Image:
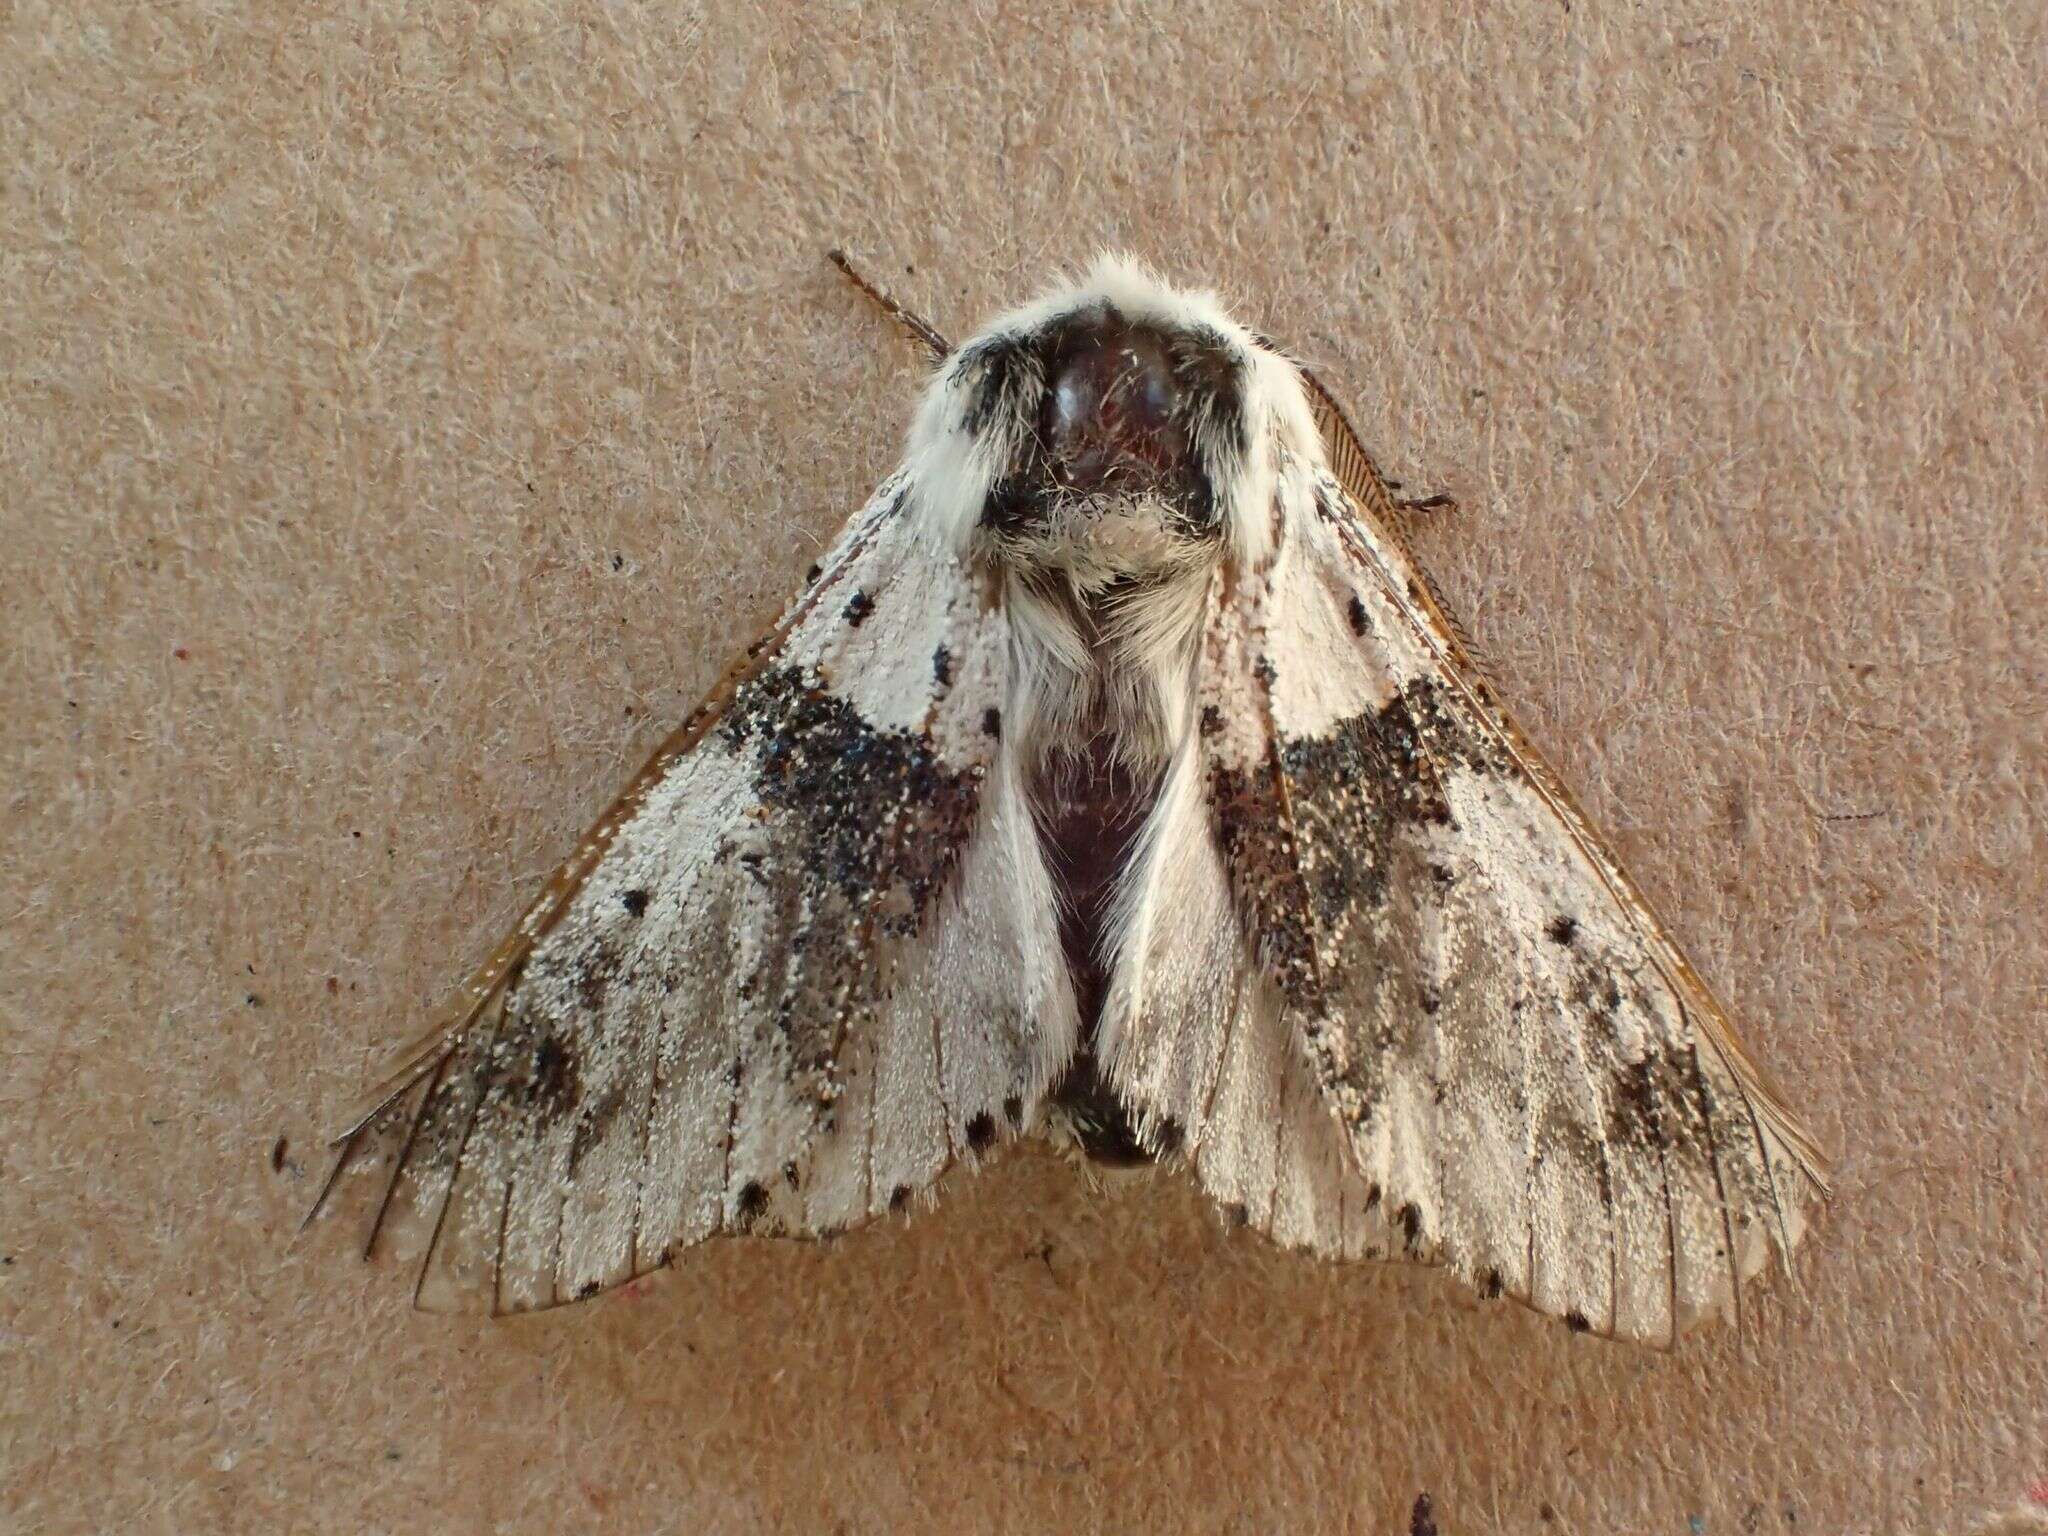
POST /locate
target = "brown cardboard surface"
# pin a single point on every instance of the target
(405, 410)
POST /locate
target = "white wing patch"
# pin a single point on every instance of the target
(805, 965)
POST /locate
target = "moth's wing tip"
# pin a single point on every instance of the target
(1817, 1166)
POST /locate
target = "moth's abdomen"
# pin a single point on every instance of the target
(1089, 807)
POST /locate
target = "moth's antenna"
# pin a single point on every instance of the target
(919, 327)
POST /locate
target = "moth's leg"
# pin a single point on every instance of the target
(921, 329)
(1433, 503)
(1359, 471)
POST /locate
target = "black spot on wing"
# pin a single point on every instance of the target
(635, 901)
(593, 1125)
(981, 1131)
(838, 785)
(858, 607)
(1353, 793)
(1563, 929)
(752, 1202)
(865, 827)
(534, 1069)
(1450, 741)
(1643, 1103)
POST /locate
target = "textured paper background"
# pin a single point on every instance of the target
(405, 410)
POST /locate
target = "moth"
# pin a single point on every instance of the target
(1117, 777)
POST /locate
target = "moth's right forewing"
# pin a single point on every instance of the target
(1199, 1032)
(807, 963)
(1395, 995)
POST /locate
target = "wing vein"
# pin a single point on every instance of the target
(455, 1166)
(1699, 1082)
(498, 1256)
(412, 1132)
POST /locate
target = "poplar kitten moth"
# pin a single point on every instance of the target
(1118, 778)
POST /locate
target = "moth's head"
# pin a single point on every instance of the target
(1117, 427)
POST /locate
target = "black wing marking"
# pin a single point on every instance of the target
(1383, 891)
(805, 962)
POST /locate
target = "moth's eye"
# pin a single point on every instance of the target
(1110, 412)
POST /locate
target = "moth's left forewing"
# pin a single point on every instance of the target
(1399, 913)
(1638, 1109)
(804, 965)
(1206, 1031)
(1439, 649)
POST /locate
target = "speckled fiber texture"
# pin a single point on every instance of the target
(406, 409)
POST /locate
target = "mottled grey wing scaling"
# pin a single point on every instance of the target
(805, 963)
(1393, 995)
